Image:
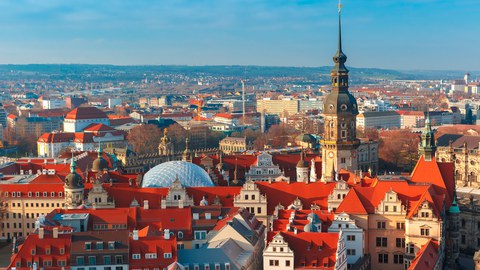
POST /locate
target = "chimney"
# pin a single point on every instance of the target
(145, 204)
(166, 234)
(55, 232)
(41, 233)
(135, 234)
(163, 203)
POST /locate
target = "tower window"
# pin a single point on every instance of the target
(344, 134)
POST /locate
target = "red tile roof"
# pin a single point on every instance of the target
(86, 113)
(426, 258)
(440, 174)
(285, 193)
(313, 250)
(98, 128)
(33, 242)
(157, 245)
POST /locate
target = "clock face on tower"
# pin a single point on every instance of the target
(330, 154)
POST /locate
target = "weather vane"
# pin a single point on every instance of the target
(340, 6)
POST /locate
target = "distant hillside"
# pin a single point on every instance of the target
(80, 71)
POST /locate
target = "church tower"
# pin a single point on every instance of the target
(427, 147)
(339, 143)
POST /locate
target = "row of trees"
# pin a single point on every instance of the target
(145, 138)
(398, 149)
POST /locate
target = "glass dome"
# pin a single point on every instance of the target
(189, 174)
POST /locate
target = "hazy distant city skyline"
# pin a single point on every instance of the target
(409, 34)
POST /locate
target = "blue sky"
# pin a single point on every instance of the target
(408, 34)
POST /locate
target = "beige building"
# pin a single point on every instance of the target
(24, 203)
(232, 145)
(384, 120)
(281, 107)
(411, 119)
(463, 150)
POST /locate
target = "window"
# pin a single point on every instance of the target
(274, 262)
(383, 258)
(400, 242)
(398, 258)
(381, 241)
(167, 255)
(107, 260)
(45, 194)
(386, 208)
(227, 266)
(92, 260)
(463, 239)
(150, 255)
(99, 245)
(351, 252)
(463, 222)
(343, 160)
(62, 251)
(111, 245)
(52, 194)
(119, 259)
(180, 235)
(200, 235)
(410, 248)
(426, 215)
(206, 266)
(287, 263)
(350, 237)
(400, 226)
(424, 231)
(381, 225)
(80, 260)
(136, 256)
(88, 246)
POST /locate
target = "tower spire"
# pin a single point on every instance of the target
(339, 25)
(340, 58)
(73, 164)
(427, 146)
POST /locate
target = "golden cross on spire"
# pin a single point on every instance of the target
(340, 6)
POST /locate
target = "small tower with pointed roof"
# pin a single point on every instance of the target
(453, 233)
(99, 164)
(302, 169)
(427, 146)
(74, 187)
